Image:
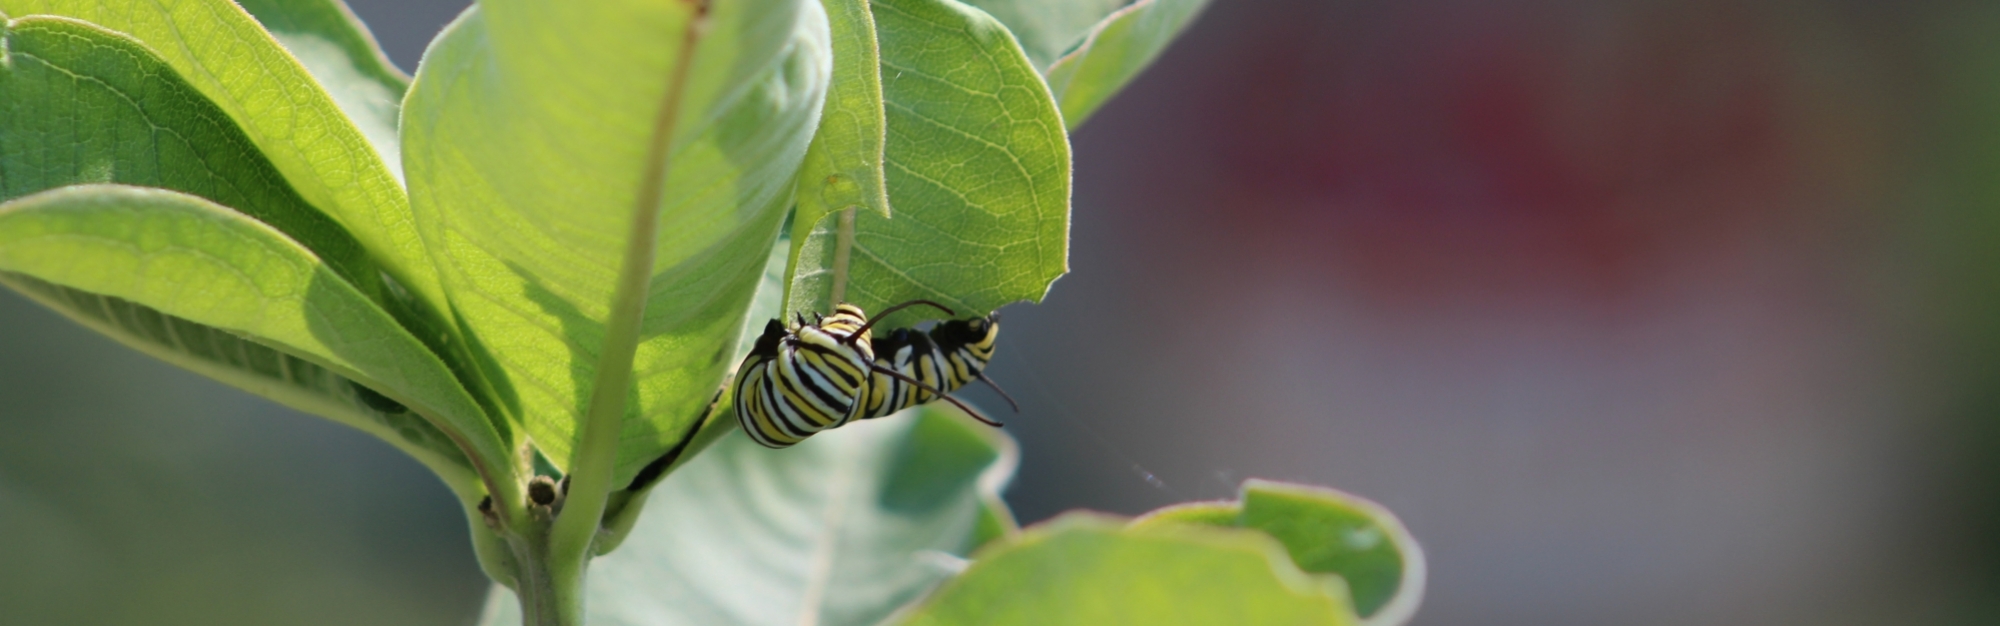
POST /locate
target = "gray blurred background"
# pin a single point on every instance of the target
(1638, 312)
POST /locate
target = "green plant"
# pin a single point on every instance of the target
(536, 261)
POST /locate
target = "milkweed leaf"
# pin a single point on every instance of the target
(978, 171)
(204, 286)
(525, 134)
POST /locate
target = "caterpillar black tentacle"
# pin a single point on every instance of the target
(1003, 393)
(947, 397)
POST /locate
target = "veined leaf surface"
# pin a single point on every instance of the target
(843, 166)
(978, 170)
(222, 51)
(238, 109)
(182, 269)
(333, 44)
(121, 115)
(524, 138)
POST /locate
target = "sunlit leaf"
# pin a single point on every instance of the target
(222, 51)
(525, 135)
(978, 172)
(333, 44)
(122, 116)
(843, 167)
(190, 281)
(276, 115)
(623, 510)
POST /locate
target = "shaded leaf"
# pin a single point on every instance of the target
(257, 368)
(1087, 569)
(188, 280)
(121, 115)
(222, 51)
(332, 43)
(978, 171)
(135, 118)
(1115, 52)
(524, 137)
(841, 529)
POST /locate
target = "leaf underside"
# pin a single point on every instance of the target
(843, 165)
(224, 54)
(185, 257)
(254, 367)
(246, 126)
(978, 170)
(333, 44)
(525, 172)
(122, 115)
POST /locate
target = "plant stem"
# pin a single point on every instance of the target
(547, 599)
(559, 571)
(843, 249)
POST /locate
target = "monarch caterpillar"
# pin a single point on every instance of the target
(814, 376)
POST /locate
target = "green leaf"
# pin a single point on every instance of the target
(843, 166)
(1087, 569)
(841, 529)
(257, 368)
(1326, 532)
(978, 169)
(1048, 28)
(622, 513)
(332, 43)
(1115, 52)
(525, 136)
(108, 123)
(204, 286)
(221, 50)
(119, 115)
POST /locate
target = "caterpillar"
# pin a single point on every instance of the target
(807, 377)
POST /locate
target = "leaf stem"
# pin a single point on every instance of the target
(843, 250)
(592, 463)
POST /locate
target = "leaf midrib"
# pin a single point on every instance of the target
(826, 546)
(595, 458)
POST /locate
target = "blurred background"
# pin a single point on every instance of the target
(1637, 312)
